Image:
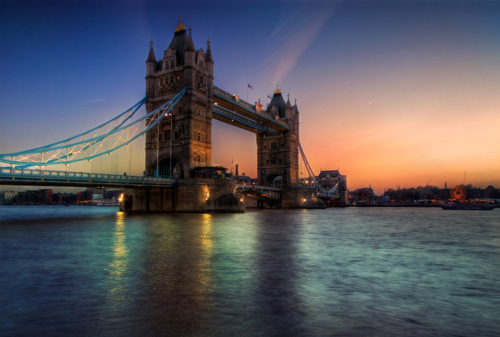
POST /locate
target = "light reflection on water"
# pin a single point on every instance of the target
(118, 265)
(334, 272)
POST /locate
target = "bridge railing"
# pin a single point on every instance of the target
(258, 187)
(58, 176)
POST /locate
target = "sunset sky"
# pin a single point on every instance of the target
(391, 93)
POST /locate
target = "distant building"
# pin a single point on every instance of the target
(331, 178)
(90, 196)
(7, 197)
(112, 195)
(64, 198)
(245, 180)
(364, 195)
(45, 196)
(491, 193)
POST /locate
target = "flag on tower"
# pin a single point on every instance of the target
(269, 97)
(250, 86)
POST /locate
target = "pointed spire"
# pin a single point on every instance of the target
(277, 91)
(288, 105)
(209, 53)
(151, 56)
(190, 44)
(180, 26)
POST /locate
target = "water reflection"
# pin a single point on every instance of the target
(179, 278)
(278, 292)
(119, 262)
(207, 245)
(120, 250)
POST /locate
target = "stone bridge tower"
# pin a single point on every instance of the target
(183, 140)
(277, 152)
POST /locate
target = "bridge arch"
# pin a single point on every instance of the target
(167, 168)
(274, 180)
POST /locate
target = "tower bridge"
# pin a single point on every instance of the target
(181, 101)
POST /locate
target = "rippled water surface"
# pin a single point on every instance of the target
(93, 271)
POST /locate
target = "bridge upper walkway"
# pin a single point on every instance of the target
(243, 114)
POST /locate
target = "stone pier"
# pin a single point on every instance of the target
(190, 195)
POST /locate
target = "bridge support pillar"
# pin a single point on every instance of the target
(301, 198)
(190, 195)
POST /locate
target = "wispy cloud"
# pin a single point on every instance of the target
(297, 33)
(97, 100)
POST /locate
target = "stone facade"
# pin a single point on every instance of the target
(182, 140)
(277, 152)
(181, 144)
(192, 195)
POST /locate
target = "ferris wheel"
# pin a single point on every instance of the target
(458, 193)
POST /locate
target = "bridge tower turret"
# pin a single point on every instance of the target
(277, 152)
(150, 69)
(183, 140)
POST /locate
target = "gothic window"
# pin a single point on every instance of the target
(265, 146)
(203, 157)
(274, 145)
(274, 158)
(172, 64)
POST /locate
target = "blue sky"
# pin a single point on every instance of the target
(391, 92)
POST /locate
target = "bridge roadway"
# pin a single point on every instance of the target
(260, 192)
(235, 111)
(37, 177)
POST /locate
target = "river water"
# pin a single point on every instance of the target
(94, 271)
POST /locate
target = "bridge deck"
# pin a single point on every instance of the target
(227, 116)
(38, 177)
(238, 106)
(260, 192)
